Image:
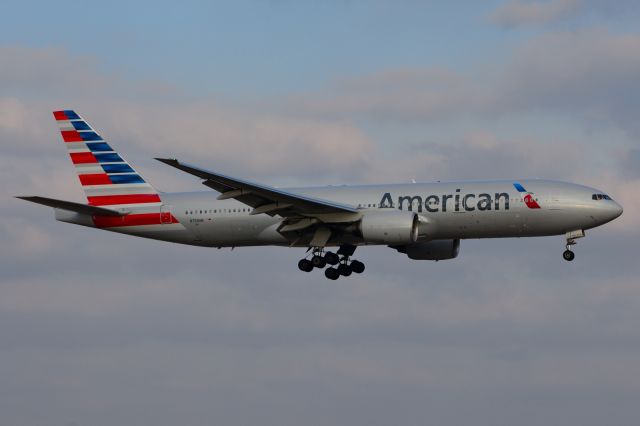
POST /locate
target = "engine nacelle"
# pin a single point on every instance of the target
(391, 227)
(431, 250)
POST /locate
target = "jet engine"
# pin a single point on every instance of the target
(431, 250)
(389, 227)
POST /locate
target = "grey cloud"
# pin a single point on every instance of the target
(631, 163)
(192, 343)
(588, 75)
(522, 13)
(99, 328)
(570, 69)
(163, 122)
(32, 71)
(515, 13)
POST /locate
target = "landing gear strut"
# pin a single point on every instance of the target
(345, 267)
(569, 255)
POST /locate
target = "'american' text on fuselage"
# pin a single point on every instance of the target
(448, 202)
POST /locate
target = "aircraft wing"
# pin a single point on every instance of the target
(263, 199)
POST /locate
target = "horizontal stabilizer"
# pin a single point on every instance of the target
(74, 207)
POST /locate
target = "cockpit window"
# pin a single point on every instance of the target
(600, 197)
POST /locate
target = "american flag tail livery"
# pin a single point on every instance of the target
(107, 179)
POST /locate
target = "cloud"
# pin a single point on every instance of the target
(125, 330)
(166, 123)
(12, 115)
(400, 94)
(630, 163)
(590, 72)
(515, 13)
(51, 71)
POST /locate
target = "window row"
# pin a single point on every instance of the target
(216, 211)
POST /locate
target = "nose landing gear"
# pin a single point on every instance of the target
(572, 236)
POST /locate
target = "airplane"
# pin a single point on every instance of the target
(424, 221)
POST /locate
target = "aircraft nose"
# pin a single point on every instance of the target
(610, 211)
(617, 210)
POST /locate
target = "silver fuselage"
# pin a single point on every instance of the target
(447, 210)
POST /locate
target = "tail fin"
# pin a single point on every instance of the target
(107, 179)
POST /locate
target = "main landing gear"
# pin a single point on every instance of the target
(569, 255)
(320, 259)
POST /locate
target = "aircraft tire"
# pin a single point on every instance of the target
(357, 267)
(331, 258)
(568, 255)
(318, 261)
(344, 269)
(331, 273)
(305, 265)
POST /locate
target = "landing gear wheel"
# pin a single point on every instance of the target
(332, 273)
(318, 261)
(344, 269)
(305, 265)
(568, 255)
(357, 266)
(331, 258)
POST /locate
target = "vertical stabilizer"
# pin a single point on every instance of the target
(106, 178)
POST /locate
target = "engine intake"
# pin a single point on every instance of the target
(431, 250)
(391, 227)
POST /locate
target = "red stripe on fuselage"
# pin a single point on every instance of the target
(95, 179)
(60, 115)
(131, 220)
(71, 136)
(83, 158)
(106, 200)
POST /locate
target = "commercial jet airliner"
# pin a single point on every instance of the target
(424, 221)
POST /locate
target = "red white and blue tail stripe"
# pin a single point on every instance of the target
(107, 179)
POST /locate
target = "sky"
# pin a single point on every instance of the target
(100, 329)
